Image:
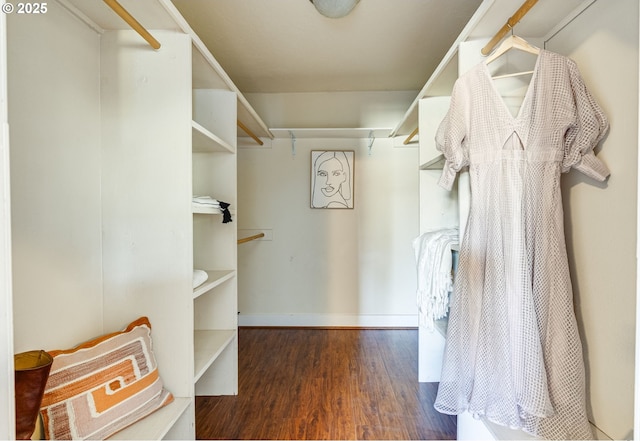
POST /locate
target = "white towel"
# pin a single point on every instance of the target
(433, 258)
(205, 201)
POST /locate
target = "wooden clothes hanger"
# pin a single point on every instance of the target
(513, 42)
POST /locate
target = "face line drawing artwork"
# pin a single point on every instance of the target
(332, 179)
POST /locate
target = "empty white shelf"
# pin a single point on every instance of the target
(208, 345)
(204, 141)
(331, 132)
(156, 425)
(215, 278)
(436, 163)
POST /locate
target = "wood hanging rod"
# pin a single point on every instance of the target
(250, 238)
(250, 133)
(411, 136)
(135, 25)
(508, 26)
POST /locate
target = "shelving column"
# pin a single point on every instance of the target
(7, 415)
(438, 210)
(146, 219)
(214, 165)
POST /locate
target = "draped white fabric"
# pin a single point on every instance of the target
(434, 261)
(513, 352)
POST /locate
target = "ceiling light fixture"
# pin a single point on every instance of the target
(334, 8)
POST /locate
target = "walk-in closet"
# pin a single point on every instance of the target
(159, 193)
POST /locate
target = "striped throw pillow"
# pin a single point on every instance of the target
(103, 385)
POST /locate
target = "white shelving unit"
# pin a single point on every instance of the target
(121, 155)
(215, 278)
(438, 210)
(205, 141)
(208, 347)
(158, 424)
(438, 207)
(431, 112)
(215, 243)
(145, 198)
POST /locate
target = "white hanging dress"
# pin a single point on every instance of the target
(513, 352)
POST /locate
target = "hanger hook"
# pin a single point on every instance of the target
(372, 138)
(293, 143)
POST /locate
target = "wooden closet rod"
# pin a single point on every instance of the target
(508, 26)
(250, 238)
(250, 133)
(135, 25)
(410, 137)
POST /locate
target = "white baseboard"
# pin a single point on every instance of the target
(330, 320)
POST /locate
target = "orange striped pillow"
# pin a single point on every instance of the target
(103, 385)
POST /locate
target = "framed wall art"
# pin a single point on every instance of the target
(332, 178)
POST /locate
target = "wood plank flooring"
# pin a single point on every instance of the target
(341, 384)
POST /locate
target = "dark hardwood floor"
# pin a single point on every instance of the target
(340, 384)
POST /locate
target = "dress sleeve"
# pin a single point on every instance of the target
(450, 138)
(590, 125)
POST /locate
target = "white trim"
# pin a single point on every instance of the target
(568, 19)
(636, 413)
(330, 320)
(81, 16)
(7, 412)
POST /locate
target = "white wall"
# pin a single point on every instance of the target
(600, 220)
(54, 115)
(328, 267)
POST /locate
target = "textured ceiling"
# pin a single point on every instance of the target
(287, 46)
